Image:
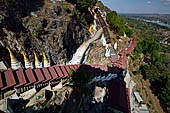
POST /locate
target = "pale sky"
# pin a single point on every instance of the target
(139, 6)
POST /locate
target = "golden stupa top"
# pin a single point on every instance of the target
(93, 10)
(91, 28)
(44, 56)
(36, 57)
(89, 9)
(11, 54)
(24, 54)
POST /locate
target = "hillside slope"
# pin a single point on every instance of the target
(41, 25)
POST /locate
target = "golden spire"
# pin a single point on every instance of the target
(24, 54)
(89, 9)
(37, 62)
(15, 64)
(28, 64)
(11, 54)
(46, 63)
(91, 30)
(36, 58)
(93, 10)
(44, 56)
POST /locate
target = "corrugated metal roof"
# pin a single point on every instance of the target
(75, 67)
(10, 80)
(67, 68)
(59, 72)
(64, 71)
(53, 73)
(122, 62)
(21, 78)
(128, 98)
(78, 65)
(72, 67)
(117, 97)
(1, 84)
(30, 76)
(46, 74)
(39, 75)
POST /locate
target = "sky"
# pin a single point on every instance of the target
(139, 6)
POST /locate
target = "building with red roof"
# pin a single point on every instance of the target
(122, 61)
(118, 98)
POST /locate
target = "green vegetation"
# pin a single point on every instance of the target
(81, 13)
(37, 31)
(150, 48)
(144, 29)
(155, 68)
(137, 72)
(117, 24)
(156, 64)
(91, 44)
(66, 8)
(80, 79)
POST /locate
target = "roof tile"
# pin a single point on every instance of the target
(39, 75)
(46, 74)
(30, 76)
(72, 67)
(10, 80)
(1, 84)
(67, 68)
(53, 73)
(64, 71)
(21, 77)
(59, 72)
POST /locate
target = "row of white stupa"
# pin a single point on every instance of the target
(107, 46)
(15, 64)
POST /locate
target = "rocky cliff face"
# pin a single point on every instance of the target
(51, 27)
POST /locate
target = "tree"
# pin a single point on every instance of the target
(112, 19)
(165, 96)
(81, 13)
(128, 32)
(116, 23)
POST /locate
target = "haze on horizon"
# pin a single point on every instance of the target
(139, 6)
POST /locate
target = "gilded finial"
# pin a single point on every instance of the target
(46, 63)
(36, 58)
(37, 62)
(11, 54)
(28, 64)
(15, 64)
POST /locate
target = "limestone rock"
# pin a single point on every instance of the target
(51, 27)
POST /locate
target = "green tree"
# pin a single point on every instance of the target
(81, 13)
(116, 23)
(112, 19)
(165, 96)
(128, 32)
(80, 79)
